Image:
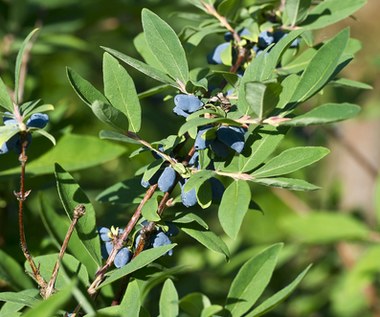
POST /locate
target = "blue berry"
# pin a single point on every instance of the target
(200, 141)
(232, 137)
(153, 180)
(122, 257)
(172, 229)
(167, 179)
(105, 234)
(295, 43)
(217, 188)
(37, 120)
(186, 104)
(278, 35)
(161, 239)
(265, 39)
(9, 119)
(194, 160)
(216, 56)
(219, 148)
(189, 198)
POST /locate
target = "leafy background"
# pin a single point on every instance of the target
(334, 228)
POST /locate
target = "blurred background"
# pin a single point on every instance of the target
(345, 279)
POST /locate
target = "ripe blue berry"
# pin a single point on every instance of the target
(37, 120)
(217, 189)
(153, 180)
(122, 257)
(266, 38)
(161, 239)
(105, 234)
(232, 137)
(200, 141)
(186, 104)
(219, 148)
(189, 198)
(167, 179)
(9, 119)
(216, 55)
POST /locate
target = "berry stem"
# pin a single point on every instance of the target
(21, 197)
(119, 242)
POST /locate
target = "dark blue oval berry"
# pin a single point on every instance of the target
(186, 104)
(232, 137)
(167, 179)
(216, 55)
(161, 239)
(122, 257)
(189, 198)
(37, 120)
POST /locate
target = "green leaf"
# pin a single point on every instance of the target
(345, 82)
(327, 113)
(149, 210)
(254, 94)
(71, 195)
(116, 136)
(279, 297)
(84, 89)
(131, 302)
(70, 264)
(330, 12)
(7, 131)
(198, 179)
(165, 46)
(110, 115)
(321, 68)
(296, 10)
(120, 90)
(143, 259)
(291, 160)
(46, 135)
(251, 281)
(210, 311)
(73, 152)
(25, 47)
(50, 306)
(12, 274)
(143, 48)
(76, 246)
(288, 183)
(229, 8)
(126, 192)
(193, 304)
(196, 122)
(142, 67)
(28, 297)
(325, 227)
(169, 300)
(233, 207)
(208, 238)
(259, 146)
(5, 99)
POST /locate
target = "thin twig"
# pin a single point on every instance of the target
(119, 242)
(79, 211)
(21, 197)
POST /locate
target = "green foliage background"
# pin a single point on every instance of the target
(340, 239)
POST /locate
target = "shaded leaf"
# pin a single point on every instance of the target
(325, 227)
(12, 274)
(71, 195)
(73, 152)
(27, 297)
(144, 258)
(5, 98)
(110, 115)
(131, 303)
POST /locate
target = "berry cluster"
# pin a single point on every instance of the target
(159, 238)
(36, 121)
(109, 236)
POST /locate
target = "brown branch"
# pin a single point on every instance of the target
(119, 242)
(79, 211)
(21, 197)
